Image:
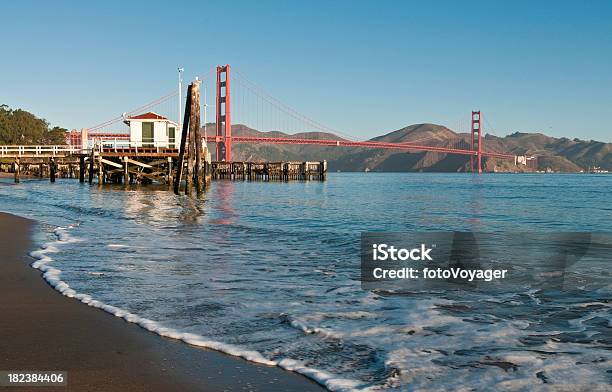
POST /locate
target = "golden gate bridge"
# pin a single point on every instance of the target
(240, 101)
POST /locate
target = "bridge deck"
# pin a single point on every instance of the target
(116, 147)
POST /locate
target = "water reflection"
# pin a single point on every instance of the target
(223, 192)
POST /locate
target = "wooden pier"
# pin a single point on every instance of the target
(269, 171)
(146, 167)
(106, 164)
(39, 161)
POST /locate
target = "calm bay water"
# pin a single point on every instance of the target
(273, 268)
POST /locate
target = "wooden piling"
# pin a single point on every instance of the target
(322, 170)
(100, 171)
(191, 147)
(17, 170)
(91, 167)
(169, 179)
(126, 172)
(185, 135)
(52, 168)
(194, 128)
(82, 168)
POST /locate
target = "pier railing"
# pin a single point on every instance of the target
(97, 145)
(110, 144)
(38, 151)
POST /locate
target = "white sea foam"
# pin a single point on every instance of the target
(325, 332)
(53, 276)
(117, 246)
(328, 380)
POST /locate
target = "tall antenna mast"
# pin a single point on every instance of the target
(180, 95)
(205, 106)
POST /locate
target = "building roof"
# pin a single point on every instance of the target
(148, 116)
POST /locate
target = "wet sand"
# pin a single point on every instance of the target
(42, 330)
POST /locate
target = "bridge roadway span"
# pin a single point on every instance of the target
(121, 146)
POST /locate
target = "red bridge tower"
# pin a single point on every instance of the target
(476, 141)
(224, 118)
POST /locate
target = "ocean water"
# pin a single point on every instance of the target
(270, 272)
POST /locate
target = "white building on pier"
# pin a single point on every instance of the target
(153, 130)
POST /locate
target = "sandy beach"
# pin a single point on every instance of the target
(42, 330)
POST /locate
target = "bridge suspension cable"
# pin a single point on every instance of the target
(255, 103)
(256, 108)
(154, 104)
(146, 106)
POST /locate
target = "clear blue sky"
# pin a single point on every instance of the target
(360, 67)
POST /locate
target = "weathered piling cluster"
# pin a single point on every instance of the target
(192, 158)
(269, 171)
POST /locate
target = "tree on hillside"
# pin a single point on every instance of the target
(56, 135)
(18, 126)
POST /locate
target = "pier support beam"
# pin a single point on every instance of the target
(184, 136)
(191, 147)
(170, 179)
(126, 172)
(194, 126)
(91, 167)
(17, 170)
(100, 171)
(82, 168)
(52, 168)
